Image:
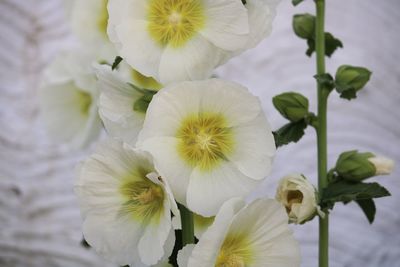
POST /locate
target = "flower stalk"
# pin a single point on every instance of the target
(187, 225)
(322, 130)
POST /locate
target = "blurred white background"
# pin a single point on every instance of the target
(39, 217)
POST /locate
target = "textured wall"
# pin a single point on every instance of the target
(39, 218)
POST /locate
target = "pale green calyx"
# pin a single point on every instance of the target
(304, 25)
(293, 106)
(355, 166)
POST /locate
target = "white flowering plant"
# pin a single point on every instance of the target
(183, 150)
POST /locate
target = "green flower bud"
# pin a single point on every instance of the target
(349, 77)
(355, 166)
(292, 106)
(304, 25)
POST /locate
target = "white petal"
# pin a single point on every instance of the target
(137, 47)
(227, 24)
(196, 60)
(220, 96)
(114, 239)
(116, 106)
(184, 254)
(169, 165)
(151, 244)
(268, 234)
(208, 190)
(206, 251)
(261, 14)
(169, 107)
(255, 148)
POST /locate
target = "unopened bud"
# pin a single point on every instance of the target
(292, 106)
(349, 77)
(304, 25)
(383, 166)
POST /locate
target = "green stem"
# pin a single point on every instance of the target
(322, 131)
(187, 225)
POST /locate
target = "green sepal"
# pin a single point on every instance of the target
(296, 2)
(344, 191)
(304, 25)
(291, 132)
(326, 81)
(117, 60)
(354, 166)
(351, 79)
(293, 106)
(368, 207)
(143, 102)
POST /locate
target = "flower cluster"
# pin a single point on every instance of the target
(175, 137)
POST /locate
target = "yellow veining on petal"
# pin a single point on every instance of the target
(235, 252)
(84, 101)
(145, 82)
(144, 199)
(103, 18)
(205, 140)
(174, 22)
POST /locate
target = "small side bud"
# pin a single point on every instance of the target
(304, 25)
(383, 166)
(292, 106)
(299, 197)
(349, 80)
(355, 166)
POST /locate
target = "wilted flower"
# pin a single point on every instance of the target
(298, 196)
(126, 206)
(256, 235)
(209, 147)
(68, 99)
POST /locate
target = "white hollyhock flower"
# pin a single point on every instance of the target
(382, 165)
(299, 197)
(256, 235)
(126, 206)
(89, 23)
(116, 105)
(210, 139)
(68, 99)
(177, 40)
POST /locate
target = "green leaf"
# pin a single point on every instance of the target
(344, 191)
(369, 208)
(293, 106)
(142, 103)
(291, 132)
(117, 60)
(296, 2)
(331, 44)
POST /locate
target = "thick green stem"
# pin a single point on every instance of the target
(322, 131)
(187, 225)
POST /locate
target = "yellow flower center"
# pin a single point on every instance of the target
(143, 199)
(103, 18)
(234, 252)
(174, 22)
(84, 101)
(205, 140)
(145, 82)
